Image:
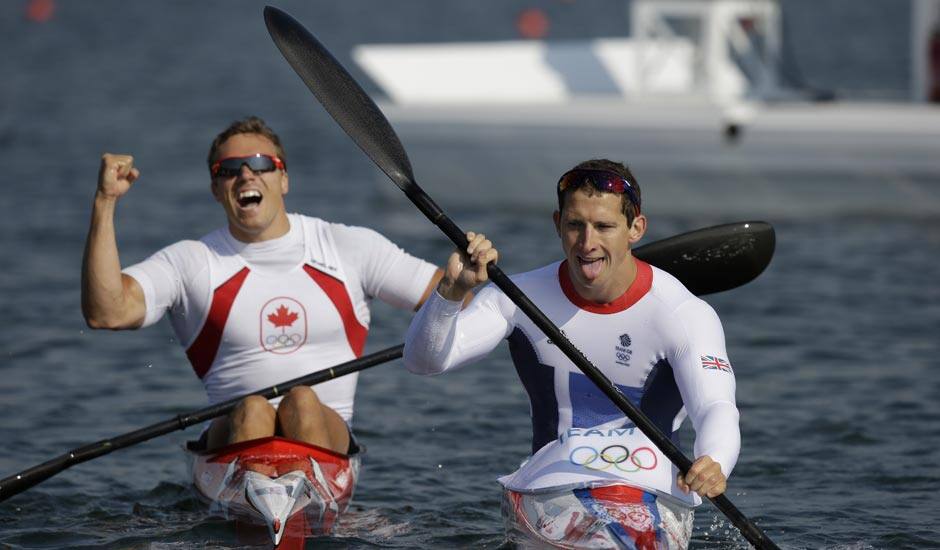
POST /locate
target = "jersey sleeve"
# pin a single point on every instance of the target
(385, 271)
(443, 337)
(162, 276)
(706, 382)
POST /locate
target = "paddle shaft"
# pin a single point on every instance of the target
(693, 256)
(686, 248)
(18, 483)
(434, 213)
(362, 120)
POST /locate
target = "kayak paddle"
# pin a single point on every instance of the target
(18, 483)
(361, 119)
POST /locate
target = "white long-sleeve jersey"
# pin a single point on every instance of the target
(663, 347)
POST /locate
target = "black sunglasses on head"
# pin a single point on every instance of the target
(602, 180)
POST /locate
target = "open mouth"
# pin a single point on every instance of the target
(249, 197)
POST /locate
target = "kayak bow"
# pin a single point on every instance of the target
(292, 488)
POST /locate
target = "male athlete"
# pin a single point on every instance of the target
(268, 298)
(594, 480)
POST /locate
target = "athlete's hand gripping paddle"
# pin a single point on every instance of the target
(362, 120)
(693, 256)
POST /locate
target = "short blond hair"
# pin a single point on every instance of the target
(249, 125)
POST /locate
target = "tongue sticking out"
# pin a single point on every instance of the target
(591, 269)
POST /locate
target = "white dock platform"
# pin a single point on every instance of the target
(789, 160)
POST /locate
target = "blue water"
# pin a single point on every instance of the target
(835, 345)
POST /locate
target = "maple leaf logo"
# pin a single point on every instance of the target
(282, 317)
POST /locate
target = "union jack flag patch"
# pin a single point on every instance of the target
(710, 362)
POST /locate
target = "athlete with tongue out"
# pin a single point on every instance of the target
(271, 297)
(594, 480)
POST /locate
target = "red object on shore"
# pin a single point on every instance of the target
(532, 23)
(40, 11)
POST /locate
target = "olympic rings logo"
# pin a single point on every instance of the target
(282, 325)
(617, 456)
(283, 340)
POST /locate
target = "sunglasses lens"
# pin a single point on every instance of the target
(609, 183)
(600, 180)
(230, 167)
(224, 171)
(261, 163)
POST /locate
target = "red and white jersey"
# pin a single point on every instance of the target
(660, 345)
(252, 315)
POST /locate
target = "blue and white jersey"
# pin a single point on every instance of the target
(663, 347)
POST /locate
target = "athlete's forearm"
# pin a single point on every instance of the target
(442, 337)
(108, 297)
(717, 435)
(430, 336)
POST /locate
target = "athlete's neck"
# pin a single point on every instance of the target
(278, 227)
(639, 285)
(273, 255)
(606, 289)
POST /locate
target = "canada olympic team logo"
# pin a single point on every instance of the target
(283, 325)
(614, 456)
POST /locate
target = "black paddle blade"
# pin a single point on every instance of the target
(715, 258)
(340, 95)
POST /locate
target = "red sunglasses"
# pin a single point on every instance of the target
(257, 163)
(602, 180)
